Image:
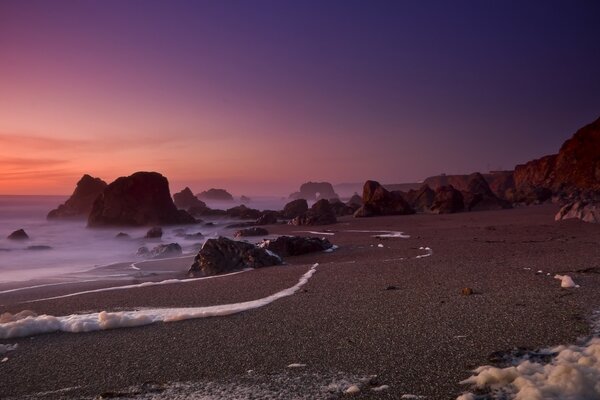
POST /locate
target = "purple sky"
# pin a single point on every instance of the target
(260, 96)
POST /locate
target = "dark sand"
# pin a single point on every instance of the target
(422, 338)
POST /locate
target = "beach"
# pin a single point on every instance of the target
(385, 306)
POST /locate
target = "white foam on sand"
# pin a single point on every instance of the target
(572, 374)
(428, 252)
(382, 234)
(317, 233)
(137, 285)
(75, 323)
(331, 249)
(46, 285)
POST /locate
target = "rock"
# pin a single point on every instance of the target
(243, 212)
(245, 199)
(251, 232)
(320, 213)
(39, 247)
(479, 196)
(123, 235)
(355, 201)
(166, 251)
(315, 191)
(421, 200)
(499, 181)
(340, 209)
(216, 195)
(587, 212)
(295, 245)
(154, 233)
(186, 200)
(467, 291)
(81, 201)
(378, 201)
(223, 255)
(140, 199)
(447, 200)
(295, 208)
(267, 218)
(19, 234)
(142, 251)
(352, 390)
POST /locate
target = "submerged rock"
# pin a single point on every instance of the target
(223, 255)
(166, 251)
(295, 245)
(155, 232)
(320, 213)
(39, 247)
(251, 232)
(19, 234)
(81, 201)
(122, 235)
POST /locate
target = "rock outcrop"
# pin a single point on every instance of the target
(447, 200)
(186, 200)
(479, 196)
(140, 199)
(378, 201)
(421, 200)
(267, 218)
(355, 201)
(223, 255)
(19, 234)
(315, 191)
(243, 212)
(321, 213)
(294, 208)
(341, 209)
(498, 181)
(166, 251)
(295, 245)
(585, 211)
(216, 195)
(255, 231)
(81, 201)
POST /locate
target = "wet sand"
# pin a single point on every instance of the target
(422, 338)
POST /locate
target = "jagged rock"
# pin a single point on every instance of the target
(215, 194)
(378, 201)
(154, 233)
(315, 191)
(166, 251)
(251, 232)
(587, 212)
(267, 218)
(422, 199)
(295, 208)
(140, 199)
(340, 209)
(19, 234)
(186, 200)
(447, 200)
(320, 213)
(81, 201)
(295, 245)
(243, 212)
(223, 255)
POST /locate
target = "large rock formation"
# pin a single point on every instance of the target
(479, 196)
(215, 194)
(186, 200)
(294, 208)
(422, 199)
(576, 167)
(295, 245)
(140, 199)
(378, 201)
(321, 213)
(341, 209)
(243, 212)
(81, 201)
(447, 200)
(498, 181)
(223, 255)
(315, 191)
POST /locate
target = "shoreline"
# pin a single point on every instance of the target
(421, 338)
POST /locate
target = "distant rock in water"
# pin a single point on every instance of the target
(243, 212)
(295, 245)
(39, 247)
(294, 208)
(587, 212)
(215, 194)
(321, 213)
(140, 199)
(155, 232)
(18, 235)
(448, 200)
(166, 251)
(185, 200)
(81, 201)
(122, 235)
(222, 255)
(251, 232)
(315, 191)
(378, 201)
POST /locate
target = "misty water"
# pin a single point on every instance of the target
(76, 249)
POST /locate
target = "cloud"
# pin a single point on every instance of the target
(18, 163)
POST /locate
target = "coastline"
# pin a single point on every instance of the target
(422, 338)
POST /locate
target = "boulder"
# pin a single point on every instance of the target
(166, 251)
(321, 213)
(18, 235)
(186, 200)
(243, 212)
(422, 199)
(355, 201)
(140, 199)
(267, 218)
(479, 196)
(251, 232)
(295, 208)
(447, 200)
(154, 233)
(81, 201)
(587, 212)
(215, 195)
(378, 201)
(295, 245)
(315, 191)
(224, 255)
(340, 209)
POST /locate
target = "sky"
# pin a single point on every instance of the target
(261, 96)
